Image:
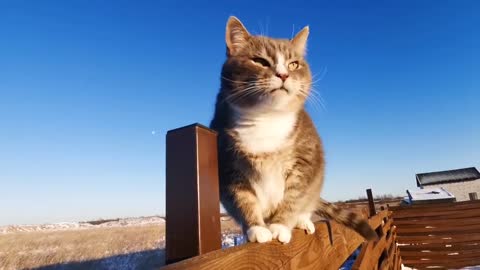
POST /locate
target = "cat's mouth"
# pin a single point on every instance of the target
(279, 89)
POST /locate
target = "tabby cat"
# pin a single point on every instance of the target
(271, 161)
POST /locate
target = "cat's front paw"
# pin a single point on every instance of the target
(281, 232)
(259, 234)
(307, 225)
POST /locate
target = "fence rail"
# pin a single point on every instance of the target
(327, 248)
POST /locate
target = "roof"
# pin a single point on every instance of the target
(450, 176)
(426, 194)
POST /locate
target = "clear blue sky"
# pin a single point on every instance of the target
(88, 90)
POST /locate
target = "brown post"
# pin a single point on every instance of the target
(371, 204)
(192, 193)
(473, 196)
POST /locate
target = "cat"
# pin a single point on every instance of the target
(271, 160)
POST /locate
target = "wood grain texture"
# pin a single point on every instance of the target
(303, 252)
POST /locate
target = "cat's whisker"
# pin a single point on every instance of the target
(314, 94)
(320, 76)
(243, 93)
(249, 81)
(311, 100)
(240, 82)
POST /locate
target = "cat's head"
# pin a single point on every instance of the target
(263, 73)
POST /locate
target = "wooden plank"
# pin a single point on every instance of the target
(450, 208)
(441, 253)
(384, 264)
(431, 213)
(437, 230)
(303, 252)
(365, 252)
(446, 262)
(397, 265)
(444, 257)
(390, 255)
(446, 218)
(439, 222)
(435, 258)
(376, 221)
(434, 205)
(457, 238)
(439, 207)
(192, 193)
(452, 247)
(445, 214)
(386, 229)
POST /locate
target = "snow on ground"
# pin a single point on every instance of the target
(232, 239)
(60, 226)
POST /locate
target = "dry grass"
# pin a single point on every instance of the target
(26, 250)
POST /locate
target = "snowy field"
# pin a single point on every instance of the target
(61, 226)
(129, 243)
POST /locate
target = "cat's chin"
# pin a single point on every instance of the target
(280, 90)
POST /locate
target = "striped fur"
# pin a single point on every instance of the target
(347, 218)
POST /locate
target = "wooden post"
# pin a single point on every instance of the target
(192, 193)
(371, 203)
(473, 196)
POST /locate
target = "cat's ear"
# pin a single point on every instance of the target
(299, 42)
(236, 35)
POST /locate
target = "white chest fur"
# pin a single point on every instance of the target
(264, 133)
(270, 187)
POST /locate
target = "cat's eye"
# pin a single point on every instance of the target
(260, 61)
(293, 65)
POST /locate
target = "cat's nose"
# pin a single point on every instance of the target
(282, 76)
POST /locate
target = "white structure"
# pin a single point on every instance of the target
(428, 195)
(458, 182)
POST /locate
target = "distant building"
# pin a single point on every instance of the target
(458, 182)
(428, 195)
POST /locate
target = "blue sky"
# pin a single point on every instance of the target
(88, 90)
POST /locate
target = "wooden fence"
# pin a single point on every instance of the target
(441, 235)
(193, 230)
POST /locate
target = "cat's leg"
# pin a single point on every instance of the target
(247, 203)
(295, 208)
(304, 222)
(285, 216)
